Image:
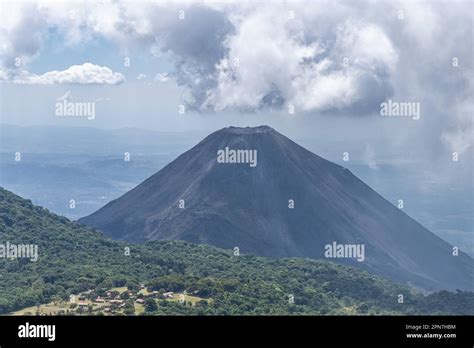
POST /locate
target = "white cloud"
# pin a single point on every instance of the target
(22, 31)
(84, 74)
(281, 61)
(141, 76)
(365, 44)
(270, 60)
(262, 58)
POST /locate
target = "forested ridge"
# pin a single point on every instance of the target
(73, 258)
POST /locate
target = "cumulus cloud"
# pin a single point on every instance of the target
(21, 33)
(84, 74)
(196, 44)
(283, 68)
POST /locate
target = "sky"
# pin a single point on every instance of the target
(316, 70)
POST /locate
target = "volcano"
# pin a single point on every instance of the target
(256, 190)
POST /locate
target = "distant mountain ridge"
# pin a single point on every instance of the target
(57, 140)
(235, 205)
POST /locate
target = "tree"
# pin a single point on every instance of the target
(129, 308)
(133, 286)
(129, 311)
(150, 305)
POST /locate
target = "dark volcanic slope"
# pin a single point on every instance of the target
(230, 205)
